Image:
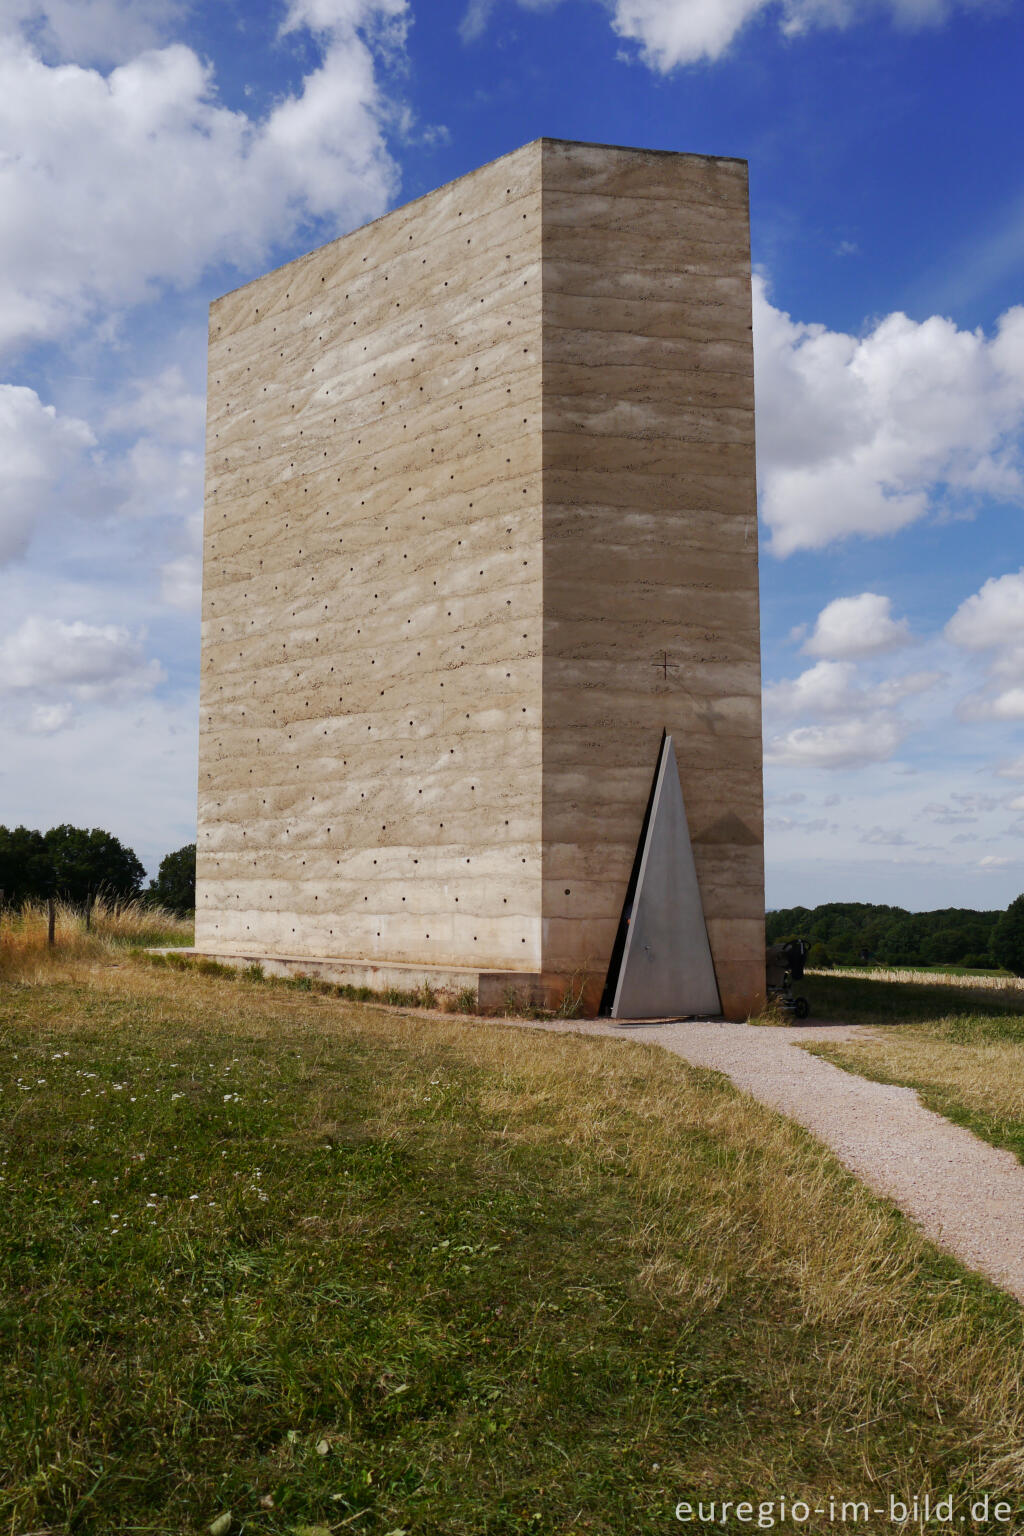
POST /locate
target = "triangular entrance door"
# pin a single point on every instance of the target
(666, 970)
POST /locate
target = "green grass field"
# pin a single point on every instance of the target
(326, 1266)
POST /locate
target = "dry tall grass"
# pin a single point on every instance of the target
(926, 978)
(26, 956)
(846, 1314)
(777, 1206)
(986, 1076)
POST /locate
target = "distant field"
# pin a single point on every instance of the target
(961, 1046)
(931, 974)
(881, 997)
(328, 1265)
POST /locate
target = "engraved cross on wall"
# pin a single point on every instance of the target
(664, 663)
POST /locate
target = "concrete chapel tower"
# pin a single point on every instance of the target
(480, 526)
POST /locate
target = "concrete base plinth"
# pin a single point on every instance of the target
(492, 990)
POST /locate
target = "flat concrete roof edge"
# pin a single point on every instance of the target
(626, 149)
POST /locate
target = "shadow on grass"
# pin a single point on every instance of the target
(856, 1000)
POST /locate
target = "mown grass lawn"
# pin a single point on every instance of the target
(961, 1048)
(324, 1265)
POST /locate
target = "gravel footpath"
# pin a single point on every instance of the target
(964, 1194)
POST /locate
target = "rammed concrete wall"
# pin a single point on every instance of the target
(650, 543)
(370, 758)
(480, 522)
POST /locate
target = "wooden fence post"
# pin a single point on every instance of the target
(51, 920)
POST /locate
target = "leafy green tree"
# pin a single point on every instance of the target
(24, 865)
(175, 884)
(1007, 943)
(86, 864)
(948, 946)
(851, 930)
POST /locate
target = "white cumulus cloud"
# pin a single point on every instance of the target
(993, 617)
(162, 407)
(675, 32)
(38, 448)
(857, 626)
(92, 31)
(992, 622)
(826, 688)
(846, 718)
(831, 688)
(86, 660)
(838, 744)
(48, 719)
(181, 582)
(112, 184)
(863, 435)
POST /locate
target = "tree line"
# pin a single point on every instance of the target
(859, 932)
(79, 865)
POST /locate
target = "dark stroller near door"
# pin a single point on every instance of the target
(784, 964)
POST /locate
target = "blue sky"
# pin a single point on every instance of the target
(156, 153)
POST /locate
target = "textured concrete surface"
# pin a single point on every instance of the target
(370, 761)
(480, 522)
(966, 1195)
(493, 991)
(650, 543)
